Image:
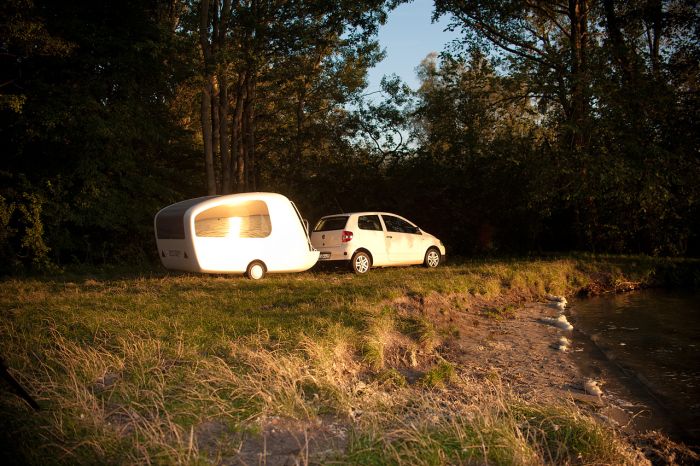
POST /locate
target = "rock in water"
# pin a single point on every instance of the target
(592, 388)
(563, 323)
(560, 322)
(559, 299)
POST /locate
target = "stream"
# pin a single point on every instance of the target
(648, 343)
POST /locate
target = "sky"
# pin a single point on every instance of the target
(407, 37)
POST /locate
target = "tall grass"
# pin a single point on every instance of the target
(131, 370)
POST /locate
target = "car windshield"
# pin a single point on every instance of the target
(331, 223)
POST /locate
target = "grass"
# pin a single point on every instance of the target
(498, 430)
(129, 367)
(440, 375)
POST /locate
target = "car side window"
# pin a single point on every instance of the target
(398, 225)
(369, 222)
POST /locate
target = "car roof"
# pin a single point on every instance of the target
(347, 214)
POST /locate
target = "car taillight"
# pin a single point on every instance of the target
(346, 236)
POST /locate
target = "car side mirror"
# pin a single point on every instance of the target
(417, 231)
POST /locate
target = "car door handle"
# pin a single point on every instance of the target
(389, 237)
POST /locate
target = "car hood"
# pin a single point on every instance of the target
(431, 236)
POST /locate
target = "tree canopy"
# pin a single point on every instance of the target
(549, 126)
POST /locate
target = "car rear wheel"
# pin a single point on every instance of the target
(360, 262)
(256, 270)
(432, 258)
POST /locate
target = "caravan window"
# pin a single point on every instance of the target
(243, 220)
(169, 222)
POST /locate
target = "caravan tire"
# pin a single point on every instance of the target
(256, 270)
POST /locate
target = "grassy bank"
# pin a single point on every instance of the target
(169, 368)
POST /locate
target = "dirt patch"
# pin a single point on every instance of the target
(499, 338)
(288, 442)
(661, 451)
(212, 436)
(518, 349)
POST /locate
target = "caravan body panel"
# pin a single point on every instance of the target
(224, 234)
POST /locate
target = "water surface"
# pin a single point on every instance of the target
(653, 336)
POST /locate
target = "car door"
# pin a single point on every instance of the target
(328, 232)
(403, 241)
(372, 236)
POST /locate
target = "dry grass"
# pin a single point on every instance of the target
(130, 370)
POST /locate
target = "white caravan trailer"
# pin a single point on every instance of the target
(251, 233)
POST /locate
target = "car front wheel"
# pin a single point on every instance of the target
(432, 258)
(360, 263)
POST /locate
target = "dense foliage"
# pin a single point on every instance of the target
(90, 146)
(608, 98)
(549, 126)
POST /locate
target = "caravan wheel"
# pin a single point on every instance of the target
(256, 270)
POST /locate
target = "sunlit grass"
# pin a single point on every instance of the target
(127, 367)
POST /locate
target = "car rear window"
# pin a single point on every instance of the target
(331, 223)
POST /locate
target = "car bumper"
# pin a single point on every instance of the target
(333, 254)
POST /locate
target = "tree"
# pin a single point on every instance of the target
(250, 50)
(94, 151)
(547, 41)
(477, 167)
(600, 74)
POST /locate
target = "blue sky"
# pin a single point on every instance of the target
(407, 37)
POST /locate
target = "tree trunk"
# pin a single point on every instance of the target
(223, 135)
(621, 53)
(295, 163)
(655, 17)
(249, 133)
(224, 147)
(578, 16)
(237, 131)
(215, 139)
(301, 99)
(207, 136)
(302, 96)
(579, 114)
(206, 97)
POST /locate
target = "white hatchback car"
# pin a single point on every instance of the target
(375, 239)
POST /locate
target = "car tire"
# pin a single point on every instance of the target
(432, 258)
(256, 270)
(360, 262)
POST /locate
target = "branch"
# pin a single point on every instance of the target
(502, 40)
